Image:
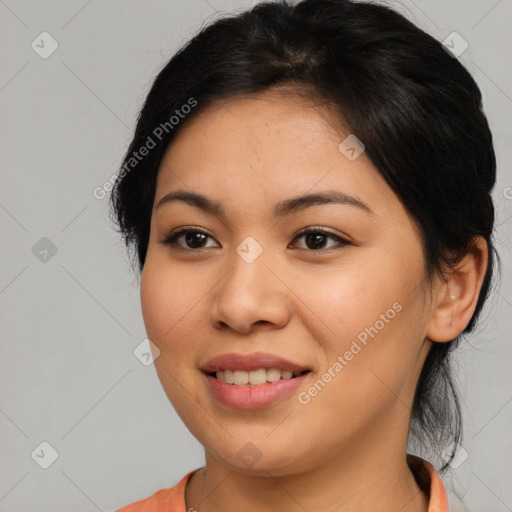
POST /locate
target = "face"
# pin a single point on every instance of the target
(347, 304)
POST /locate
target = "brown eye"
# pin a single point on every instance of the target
(316, 239)
(193, 239)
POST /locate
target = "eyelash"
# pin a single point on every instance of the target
(171, 239)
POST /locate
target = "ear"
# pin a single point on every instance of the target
(456, 298)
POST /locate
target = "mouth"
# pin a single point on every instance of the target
(253, 380)
(255, 377)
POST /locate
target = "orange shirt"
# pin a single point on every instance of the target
(173, 499)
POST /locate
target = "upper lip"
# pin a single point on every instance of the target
(249, 362)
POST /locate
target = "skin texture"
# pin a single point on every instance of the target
(345, 449)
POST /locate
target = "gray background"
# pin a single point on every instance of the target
(71, 320)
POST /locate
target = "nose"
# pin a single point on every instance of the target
(251, 296)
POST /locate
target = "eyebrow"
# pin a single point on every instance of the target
(281, 209)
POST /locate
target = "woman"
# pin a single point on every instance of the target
(308, 195)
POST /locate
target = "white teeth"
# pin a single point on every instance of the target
(258, 376)
(286, 374)
(240, 377)
(253, 377)
(273, 374)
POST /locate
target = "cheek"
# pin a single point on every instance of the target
(172, 316)
(345, 305)
(171, 307)
(369, 323)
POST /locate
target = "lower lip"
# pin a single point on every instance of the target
(253, 397)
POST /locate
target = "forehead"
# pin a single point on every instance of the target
(267, 146)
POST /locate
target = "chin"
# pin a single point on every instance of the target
(260, 459)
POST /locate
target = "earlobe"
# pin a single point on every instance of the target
(457, 296)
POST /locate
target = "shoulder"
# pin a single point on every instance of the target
(171, 500)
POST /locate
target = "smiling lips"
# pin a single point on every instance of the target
(249, 381)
